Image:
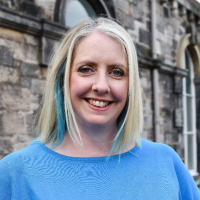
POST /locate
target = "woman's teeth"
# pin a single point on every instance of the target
(98, 103)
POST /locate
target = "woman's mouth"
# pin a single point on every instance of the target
(97, 103)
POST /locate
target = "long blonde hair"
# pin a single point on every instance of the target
(57, 114)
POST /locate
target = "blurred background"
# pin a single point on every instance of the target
(166, 35)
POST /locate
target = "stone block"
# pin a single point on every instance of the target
(37, 86)
(16, 63)
(171, 137)
(148, 134)
(178, 117)
(4, 3)
(49, 7)
(134, 2)
(175, 44)
(3, 42)
(165, 12)
(25, 53)
(148, 25)
(161, 23)
(148, 121)
(128, 22)
(178, 84)
(122, 5)
(167, 125)
(143, 50)
(137, 13)
(46, 49)
(11, 34)
(6, 57)
(30, 117)
(8, 75)
(165, 112)
(34, 106)
(1, 124)
(25, 82)
(170, 101)
(170, 30)
(166, 49)
(133, 35)
(148, 91)
(30, 8)
(148, 106)
(35, 98)
(13, 123)
(19, 51)
(32, 54)
(144, 37)
(6, 147)
(14, 98)
(120, 16)
(30, 70)
(29, 39)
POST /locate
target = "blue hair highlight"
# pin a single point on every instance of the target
(60, 109)
(120, 121)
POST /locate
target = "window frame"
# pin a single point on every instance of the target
(186, 133)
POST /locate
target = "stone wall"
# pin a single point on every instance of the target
(146, 84)
(21, 84)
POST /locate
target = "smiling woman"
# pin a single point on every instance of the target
(88, 144)
(97, 70)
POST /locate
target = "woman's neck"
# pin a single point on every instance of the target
(96, 142)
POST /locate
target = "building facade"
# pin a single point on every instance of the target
(167, 38)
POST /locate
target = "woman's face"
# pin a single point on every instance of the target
(99, 80)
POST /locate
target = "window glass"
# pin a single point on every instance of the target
(190, 144)
(189, 113)
(78, 10)
(188, 78)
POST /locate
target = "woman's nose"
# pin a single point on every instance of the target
(101, 85)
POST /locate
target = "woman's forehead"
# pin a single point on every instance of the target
(99, 44)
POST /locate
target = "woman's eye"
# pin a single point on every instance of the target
(118, 73)
(84, 70)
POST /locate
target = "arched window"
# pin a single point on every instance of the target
(189, 114)
(69, 12)
(78, 10)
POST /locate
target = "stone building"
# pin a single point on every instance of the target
(167, 37)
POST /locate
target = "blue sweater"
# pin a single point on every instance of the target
(152, 172)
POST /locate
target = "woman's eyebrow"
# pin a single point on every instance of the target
(117, 65)
(87, 62)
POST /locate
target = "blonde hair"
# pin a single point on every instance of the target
(57, 114)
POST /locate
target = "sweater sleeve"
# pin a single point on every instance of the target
(5, 180)
(188, 187)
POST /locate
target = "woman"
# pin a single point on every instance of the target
(88, 144)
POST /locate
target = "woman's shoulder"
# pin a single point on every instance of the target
(154, 145)
(160, 149)
(14, 158)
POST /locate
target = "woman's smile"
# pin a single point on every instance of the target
(98, 103)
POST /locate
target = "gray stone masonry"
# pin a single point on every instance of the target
(20, 85)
